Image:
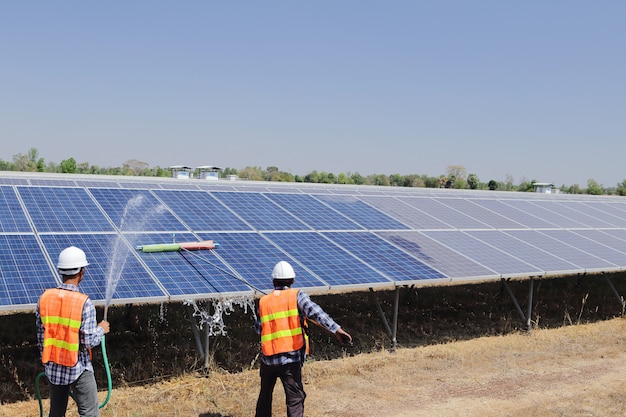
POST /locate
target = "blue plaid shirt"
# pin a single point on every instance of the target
(90, 336)
(307, 309)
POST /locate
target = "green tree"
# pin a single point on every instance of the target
(357, 179)
(621, 188)
(594, 188)
(251, 173)
(396, 179)
(312, 177)
(473, 181)
(492, 185)
(456, 171)
(68, 166)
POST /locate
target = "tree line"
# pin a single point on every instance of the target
(455, 176)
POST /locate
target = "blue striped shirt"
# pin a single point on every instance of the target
(90, 336)
(311, 311)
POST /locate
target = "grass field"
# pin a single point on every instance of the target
(463, 352)
(571, 371)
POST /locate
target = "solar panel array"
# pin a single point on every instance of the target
(337, 237)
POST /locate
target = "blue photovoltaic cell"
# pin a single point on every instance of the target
(361, 213)
(583, 214)
(446, 214)
(384, 257)
(260, 212)
(618, 216)
(477, 212)
(188, 273)
(523, 218)
(55, 182)
(12, 217)
(555, 218)
(24, 271)
(484, 254)
(606, 212)
(314, 213)
(561, 249)
(185, 185)
(618, 233)
(326, 260)
(437, 256)
(543, 260)
(254, 257)
(334, 236)
(136, 210)
(610, 240)
(564, 217)
(404, 212)
(103, 253)
(100, 184)
(56, 209)
(591, 247)
(14, 181)
(200, 211)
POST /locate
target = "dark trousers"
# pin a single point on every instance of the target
(84, 392)
(291, 377)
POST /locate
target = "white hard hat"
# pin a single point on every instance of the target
(70, 259)
(283, 270)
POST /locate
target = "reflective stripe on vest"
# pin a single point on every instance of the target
(61, 313)
(281, 328)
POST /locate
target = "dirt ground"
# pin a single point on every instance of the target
(462, 352)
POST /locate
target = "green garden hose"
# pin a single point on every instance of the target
(106, 367)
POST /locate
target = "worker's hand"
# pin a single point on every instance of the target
(343, 337)
(105, 326)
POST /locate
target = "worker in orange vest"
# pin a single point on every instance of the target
(284, 343)
(66, 332)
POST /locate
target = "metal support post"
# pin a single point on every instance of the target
(529, 325)
(396, 304)
(382, 314)
(196, 332)
(206, 346)
(517, 306)
(619, 297)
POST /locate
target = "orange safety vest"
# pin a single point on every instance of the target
(61, 313)
(282, 328)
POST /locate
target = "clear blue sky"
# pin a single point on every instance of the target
(531, 89)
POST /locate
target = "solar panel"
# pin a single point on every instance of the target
(407, 214)
(490, 256)
(361, 213)
(475, 211)
(25, 271)
(523, 219)
(441, 258)
(384, 257)
(453, 218)
(187, 274)
(253, 257)
(313, 212)
(328, 261)
(259, 211)
(201, 211)
(563, 250)
(336, 236)
(544, 261)
(12, 217)
(59, 209)
(553, 217)
(136, 283)
(136, 210)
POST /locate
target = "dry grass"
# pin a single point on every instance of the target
(569, 371)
